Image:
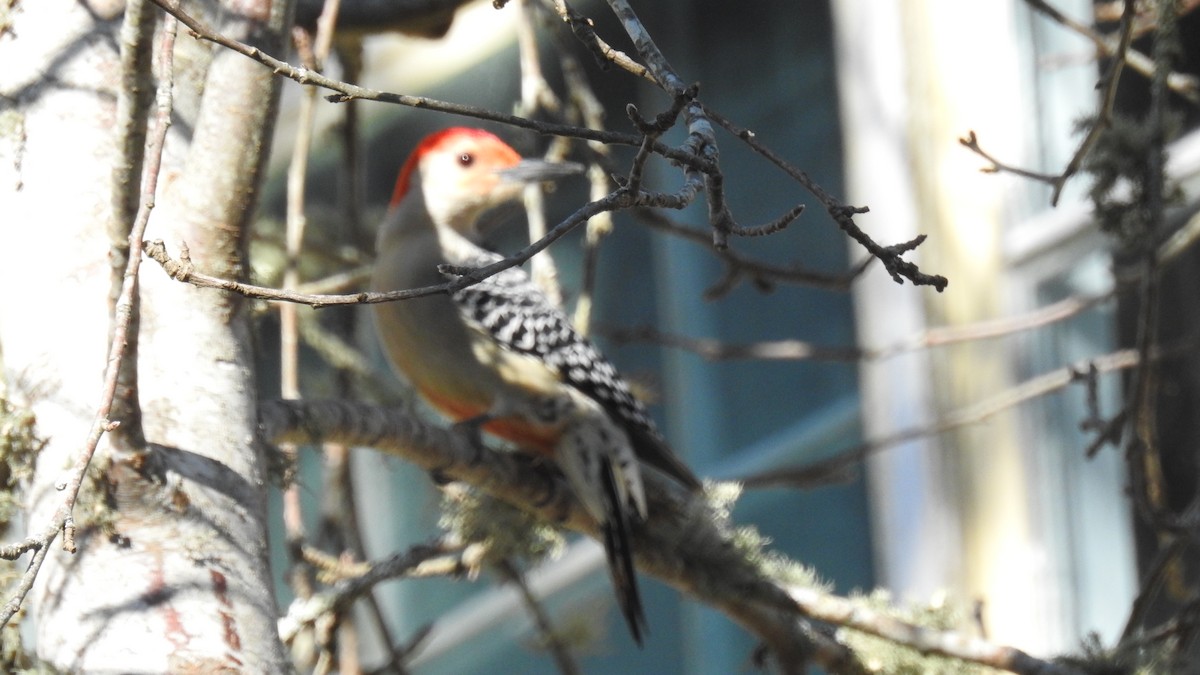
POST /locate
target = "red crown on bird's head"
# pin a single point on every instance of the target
(500, 152)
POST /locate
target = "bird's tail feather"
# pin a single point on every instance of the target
(619, 550)
(599, 462)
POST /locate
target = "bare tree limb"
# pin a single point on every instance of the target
(337, 600)
(836, 468)
(604, 53)
(842, 612)
(698, 154)
(134, 100)
(536, 95)
(800, 350)
(843, 214)
(739, 266)
(314, 50)
(346, 92)
(184, 271)
(558, 649)
(1186, 86)
(584, 103)
(686, 543)
(1104, 114)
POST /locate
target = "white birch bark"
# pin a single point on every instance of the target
(171, 571)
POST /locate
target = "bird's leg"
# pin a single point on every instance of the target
(472, 428)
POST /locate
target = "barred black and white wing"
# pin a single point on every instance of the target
(511, 308)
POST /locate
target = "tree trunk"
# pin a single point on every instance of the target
(171, 571)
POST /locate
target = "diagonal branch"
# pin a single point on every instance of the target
(1121, 53)
(183, 270)
(835, 468)
(684, 544)
(346, 91)
(688, 543)
(698, 154)
(1185, 85)
(603, 52)
(842, 214)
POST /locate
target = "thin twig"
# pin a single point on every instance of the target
(536, 95)
(655, 60)
(799, 350)
(604, 53)
(583, 101)
(339, 498)
(698, 155)
(300, 575)
(558, 649)
(1104, 113)
(842, 612)
(842, 214)
(1186, 86)
(993, 328)
(764, 274)
(341, 521)
(26, 584)
(536, 92)
(346, 91)
(836, 468)
(971, 142)
(135, 99)
(304, 612)
(183, 271)
(701, 139)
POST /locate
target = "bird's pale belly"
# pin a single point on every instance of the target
(457, 373)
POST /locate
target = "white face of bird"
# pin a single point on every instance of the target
(464, 172)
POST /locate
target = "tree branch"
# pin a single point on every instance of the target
(842, 214)
(800, 350)
(1186, 86)
(843, 612)
(134, 101)
(836, 468)
(346, 92)
(1104, 116)
(698, 154)
(688, 542)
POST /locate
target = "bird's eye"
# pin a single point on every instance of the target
(466, 159)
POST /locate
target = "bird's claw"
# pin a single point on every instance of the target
(472, 428)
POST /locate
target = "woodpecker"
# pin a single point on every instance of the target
(499, 354)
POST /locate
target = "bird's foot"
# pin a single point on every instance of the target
(472, 428)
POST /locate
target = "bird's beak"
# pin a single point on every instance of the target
(538, 171)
